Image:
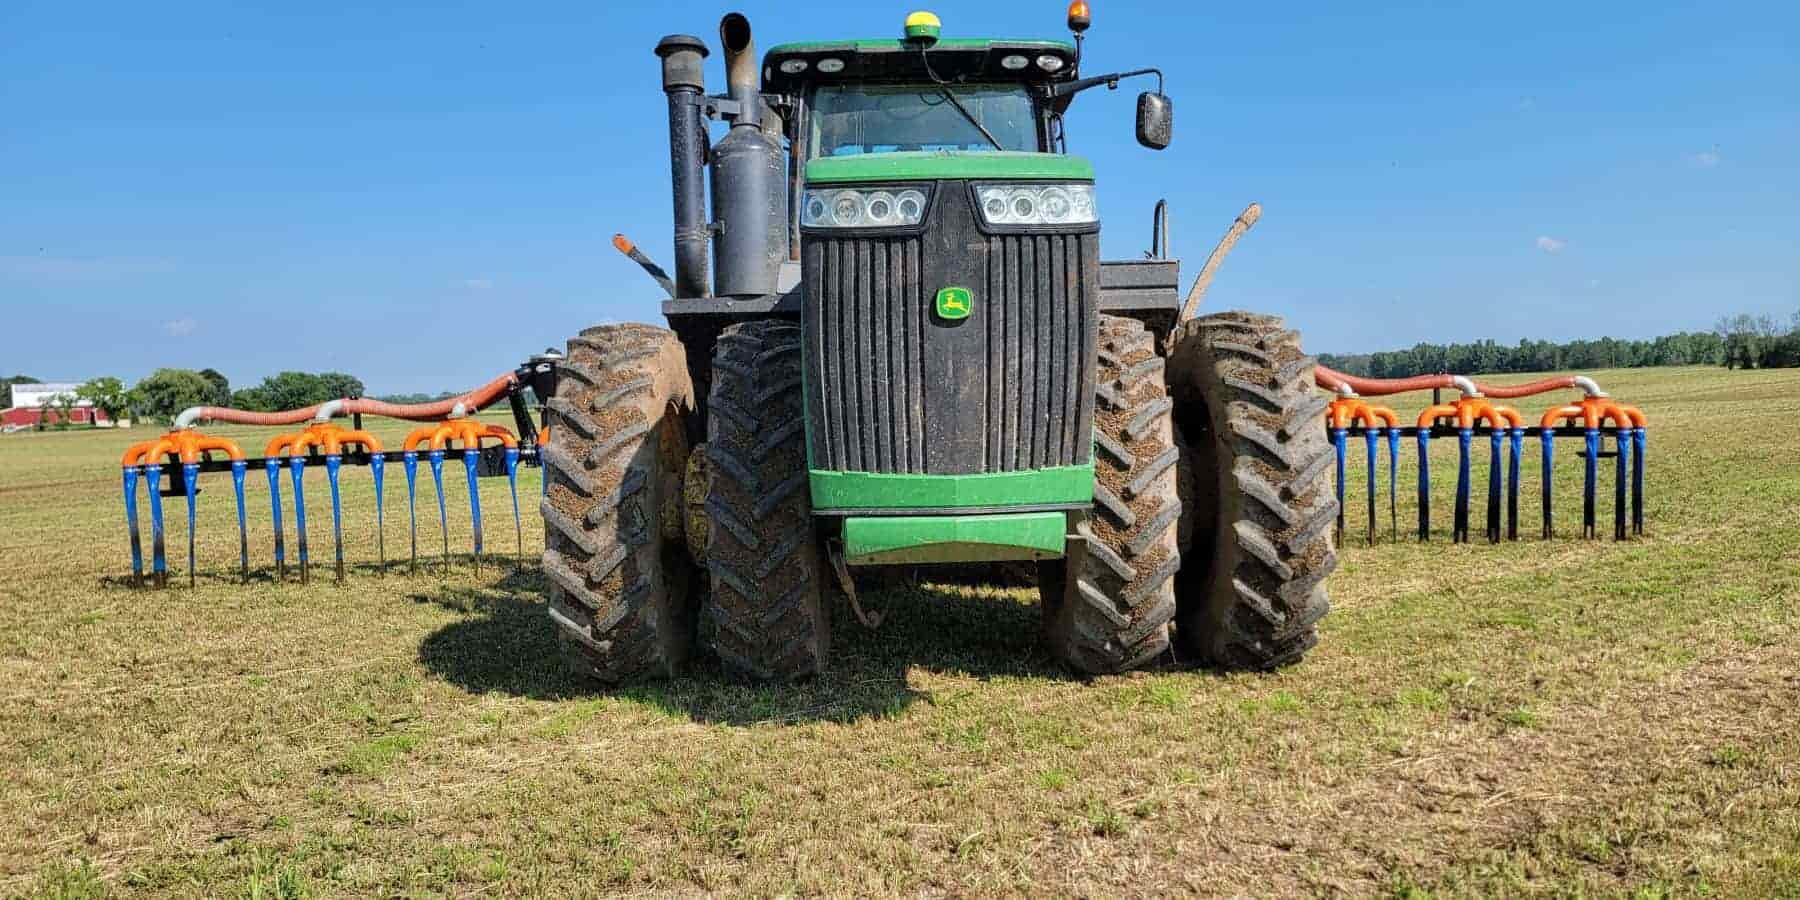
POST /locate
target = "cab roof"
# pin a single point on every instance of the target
(893, 60)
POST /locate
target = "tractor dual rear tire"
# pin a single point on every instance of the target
(768, 616)
(619, 586)
(1108, 604)
(1257, 534)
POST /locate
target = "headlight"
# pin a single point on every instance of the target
(1037, 204)
(862, 208)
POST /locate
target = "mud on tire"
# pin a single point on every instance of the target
(1107, 606)
(768, 614)
(620, 591)
(1257, 531)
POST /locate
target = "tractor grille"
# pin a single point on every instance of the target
(868, 325)
(893, 388)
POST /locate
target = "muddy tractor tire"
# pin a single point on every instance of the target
(620, 589)
(768, 616)
(1108, 604)
(1259, 504)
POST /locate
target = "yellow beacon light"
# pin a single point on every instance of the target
(923, 27)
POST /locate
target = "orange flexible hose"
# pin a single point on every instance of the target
(1329, 378)
(477, 399)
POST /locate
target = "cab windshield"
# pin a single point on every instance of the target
(852, 119)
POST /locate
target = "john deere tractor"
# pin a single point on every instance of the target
(891, 342)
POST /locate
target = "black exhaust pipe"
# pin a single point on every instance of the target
(684, 81)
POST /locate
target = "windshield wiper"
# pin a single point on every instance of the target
(948, 95)
(943, 87)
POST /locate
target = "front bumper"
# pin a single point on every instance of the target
(883, 540)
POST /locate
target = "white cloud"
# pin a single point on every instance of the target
(180, 327)
(1549, 244)
(1706, 159)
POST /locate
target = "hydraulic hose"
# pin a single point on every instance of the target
(475, 400)
(1333, 380)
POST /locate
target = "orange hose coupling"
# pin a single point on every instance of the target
(1470, 410)
(466, 433)
(326, 436)
(187, 444)
(1595, 411)
(1347, 410)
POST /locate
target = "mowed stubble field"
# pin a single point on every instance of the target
(1559, 717)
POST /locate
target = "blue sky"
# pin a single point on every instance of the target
(421, 195)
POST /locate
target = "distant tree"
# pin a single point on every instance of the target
(297, 390)
(221, 387)
(165, 392)
(337, 385)
(253, 399)
(1781, 352)
(107, 394)
(1739, 336)
(6, 388)
(64, 404)
(1786, 348)
(290, 390)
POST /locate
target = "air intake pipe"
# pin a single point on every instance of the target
(749, 178)
(684, 82)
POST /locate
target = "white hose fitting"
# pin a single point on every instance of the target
(328, 410)
(1345, 390)
(459, 411)
(188, 417)
(1589, 386)
(1463, 384)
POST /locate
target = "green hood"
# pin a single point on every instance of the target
(932, 165)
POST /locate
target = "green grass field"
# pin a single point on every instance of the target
(1560, 717)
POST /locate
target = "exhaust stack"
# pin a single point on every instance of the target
(684, 82)
(740, 69)
(749, 177)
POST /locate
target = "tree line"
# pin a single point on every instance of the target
(1742, 341)
(164, 393)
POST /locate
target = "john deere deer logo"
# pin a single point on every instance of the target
(955, 303)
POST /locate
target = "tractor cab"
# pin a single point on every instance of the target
(894, 96)
(922, 93)
(923, 104)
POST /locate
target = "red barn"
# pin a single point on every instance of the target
(34, 402)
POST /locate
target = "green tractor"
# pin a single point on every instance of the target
(893, 342)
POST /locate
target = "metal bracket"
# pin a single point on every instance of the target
(722, 107)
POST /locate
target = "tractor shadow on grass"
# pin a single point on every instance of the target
(508, 644)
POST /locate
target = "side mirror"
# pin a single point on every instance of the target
(1155, 120)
